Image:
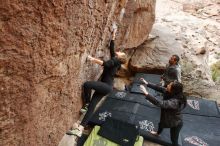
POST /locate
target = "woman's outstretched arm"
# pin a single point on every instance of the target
(167, 104)
(95, 60)
(112, 43)
(112, 48)
(153, 86)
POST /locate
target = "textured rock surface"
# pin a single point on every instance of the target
(43, 46)
(138, 20)
(192, 34)
(153, 55)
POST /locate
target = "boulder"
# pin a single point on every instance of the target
(136, 24)
(153, 55)
(194, 38)
(43, 50)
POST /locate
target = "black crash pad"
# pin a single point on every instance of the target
(200, 130)
(153, 78)
(132, 97)
(202, 107)
(94, 101)
(145, 117)
(196, 106)
(201, 117)
(82, 140)
(133, 108)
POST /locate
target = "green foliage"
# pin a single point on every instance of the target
(215, 71)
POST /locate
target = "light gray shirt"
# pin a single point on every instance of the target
(172, 72)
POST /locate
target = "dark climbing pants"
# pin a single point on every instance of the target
(101, 89)
(174, 133)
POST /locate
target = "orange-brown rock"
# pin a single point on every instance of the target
(43, 48)
(137, 22)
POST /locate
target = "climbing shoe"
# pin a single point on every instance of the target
(84, 109)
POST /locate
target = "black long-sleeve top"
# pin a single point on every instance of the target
(170, 107)
(111, 66)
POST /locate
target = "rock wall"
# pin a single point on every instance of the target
(43, 48)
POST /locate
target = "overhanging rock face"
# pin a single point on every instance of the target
(137, 23)
(43, 48)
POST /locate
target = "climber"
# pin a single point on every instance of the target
(172, 72)
(173, 102)
(105, 85)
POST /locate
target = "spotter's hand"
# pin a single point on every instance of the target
(143, 89)
(143, 81)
